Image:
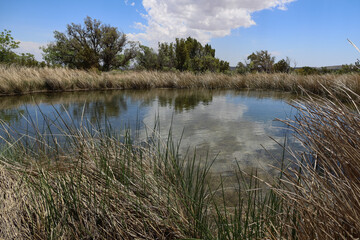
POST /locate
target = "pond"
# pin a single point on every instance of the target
(230, 126)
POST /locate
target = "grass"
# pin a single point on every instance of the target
(92, 184)
(323, 188)
(89, 183)
(21, 80)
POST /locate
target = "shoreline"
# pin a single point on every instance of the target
(15, 80)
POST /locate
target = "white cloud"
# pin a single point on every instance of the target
(31, 47)
(202, 19)
(127, 3)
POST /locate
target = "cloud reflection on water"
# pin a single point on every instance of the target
(220, 127)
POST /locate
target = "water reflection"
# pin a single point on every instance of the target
(235, 125)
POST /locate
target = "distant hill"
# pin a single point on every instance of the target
(232, 68)
(334, 68)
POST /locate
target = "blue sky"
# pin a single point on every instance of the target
(309, 32)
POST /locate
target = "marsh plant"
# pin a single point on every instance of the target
(88, 182)
(21, 80)
(324, 189)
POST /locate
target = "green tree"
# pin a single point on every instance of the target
(7, 44)
(210, 64)
(182, 55)
(192, 56)
(7, 55)
(147, 58)
(306, 70)
(94, 45)
(348, 69)
(242, 68)
(261, 61)
(224, 66)
(166, 56)
(282, 66)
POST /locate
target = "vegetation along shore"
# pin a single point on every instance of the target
(88, 182)
(20, 80)
(95, 183)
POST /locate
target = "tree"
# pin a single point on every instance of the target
(146, 58)
(282, 66)
(166, 56)
(192, 56)
(348, 69)
(7, 55)
(306, 70)
(242, 68)
(224, 66)
(94, 45)
(182, 55)
(7, 44)
(261, 61)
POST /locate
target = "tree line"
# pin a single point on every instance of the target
(99, 46)
(7, 54)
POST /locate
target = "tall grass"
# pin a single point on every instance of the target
(86, 182)
(20, 80)
(323, 188)
(90, 183)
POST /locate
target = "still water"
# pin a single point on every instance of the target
(233, 126)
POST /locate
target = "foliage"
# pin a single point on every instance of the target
(306, 71)
(94, 45)
(261, 61)
(147, 58)
(166, 56)
(8, 56)
(242, 68)
(348, 69)
(7, 44)
(282, 66)
(184, 55)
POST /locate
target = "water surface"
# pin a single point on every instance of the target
(233, 126)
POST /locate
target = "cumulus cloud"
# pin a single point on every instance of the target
(31, 47)
(202, 19)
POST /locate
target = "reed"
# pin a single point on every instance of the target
(20, 80)
(85, 183)
(74, 182)
(323, 187)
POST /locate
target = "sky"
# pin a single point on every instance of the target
(310, 32)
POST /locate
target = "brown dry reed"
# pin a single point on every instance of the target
(20, 80)
(323, 187)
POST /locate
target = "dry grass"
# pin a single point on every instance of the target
(18, 80)
(98, 188)
(324, 188)
(107, 189)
